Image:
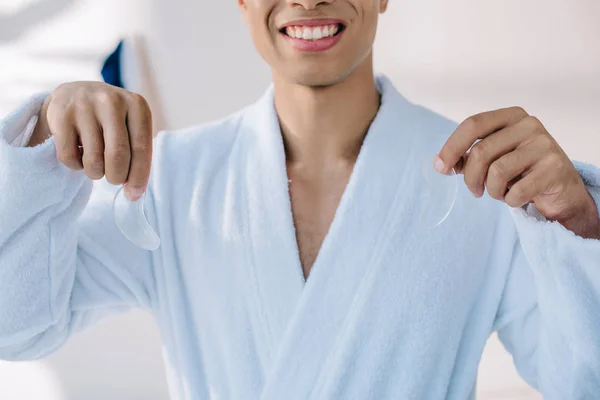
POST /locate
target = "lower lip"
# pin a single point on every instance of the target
(314, 45)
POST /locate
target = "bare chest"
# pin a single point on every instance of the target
(314, 208)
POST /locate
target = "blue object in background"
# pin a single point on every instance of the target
(111, 70)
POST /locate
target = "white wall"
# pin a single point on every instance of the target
(458, 57)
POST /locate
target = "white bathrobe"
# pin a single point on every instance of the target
(390, 311)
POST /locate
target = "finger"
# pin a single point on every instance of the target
(487, 151)
(526, 189)
(139, 125)
(66, 140)
(92, 142)
(503, 173)
(477, 127)
(117, 151)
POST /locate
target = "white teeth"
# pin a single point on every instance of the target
(311, 33)
(317, 33)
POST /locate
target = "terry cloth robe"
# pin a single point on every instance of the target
(389, 311)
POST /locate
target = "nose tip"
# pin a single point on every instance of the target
(308, 4)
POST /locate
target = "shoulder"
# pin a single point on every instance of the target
(433, 122)
(418, 118)
(210, 137)
(195, 154)
(202, 145)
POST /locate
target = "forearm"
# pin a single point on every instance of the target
(585, 222)
(39, 206)
(63, 262)
(38, 243)
(565, 260)
(548, 318)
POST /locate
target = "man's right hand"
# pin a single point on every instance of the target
(102, 129)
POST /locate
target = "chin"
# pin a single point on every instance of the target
(322, 72)
(314, 77)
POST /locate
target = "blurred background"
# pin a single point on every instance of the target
(194, 61)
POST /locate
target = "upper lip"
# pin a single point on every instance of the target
(313, 22)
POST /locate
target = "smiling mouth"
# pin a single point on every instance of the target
(313, 32)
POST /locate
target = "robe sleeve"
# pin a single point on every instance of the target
(63, 262)
(549, 316)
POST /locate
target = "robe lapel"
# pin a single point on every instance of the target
(275, 275)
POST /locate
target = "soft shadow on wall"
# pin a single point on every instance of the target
(18, 23)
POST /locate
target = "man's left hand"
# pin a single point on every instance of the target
(512, 155)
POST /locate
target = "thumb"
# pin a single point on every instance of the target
(458, 167)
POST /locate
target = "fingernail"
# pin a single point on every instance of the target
(133, 194)
(439, 165)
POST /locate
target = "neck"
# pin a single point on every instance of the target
(323, 125)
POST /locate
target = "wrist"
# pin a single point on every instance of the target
(586, 221)
(42, 131)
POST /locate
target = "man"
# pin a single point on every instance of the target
(291, 265)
